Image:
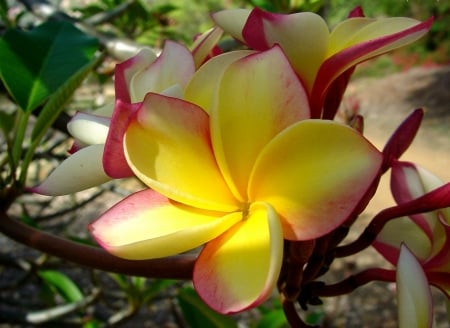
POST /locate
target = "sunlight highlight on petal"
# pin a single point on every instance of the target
(146, 225)
(168, 148)
(202, 89)
(330, 167)
(259, 96)
(240, 268)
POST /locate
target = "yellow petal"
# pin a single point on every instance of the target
(240, 268)
(358, 30)
(258, 97)
(204, 45)
(168, 148)
(232, 21)
(202, 88)
(314, 174)
(413, 292)
(146, 225)
(303, 37)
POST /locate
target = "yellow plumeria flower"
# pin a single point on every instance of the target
(237, 166)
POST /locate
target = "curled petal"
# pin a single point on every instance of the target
(259, 96)
(114, 161)
(239, 269)
(314, 174)
(413, 292)
(389, 240)
(125, 71)
(146, 225)
(302, 36)
(202, 88)
(80, 171)
(205, 44)
(358, 39)
(232, 21)
(175, 66)
(89, 129)
(408, 182)
(168, 148)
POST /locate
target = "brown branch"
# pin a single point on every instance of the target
(351, 283)
(176, 267)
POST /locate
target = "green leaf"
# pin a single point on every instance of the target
(60, 98)
(273, 319)
(61, 284)
(198, 314)
(33, 64)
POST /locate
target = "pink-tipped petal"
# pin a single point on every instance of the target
(259, 96)
(80, 171)
(114, 161)
(205, 45)
(312, 169)
(168, 147)
(146, 225)
(413, 293)
(175, 66)
(239, 269)
(125, 71)
(302, 36)
(89, 129)
(358, 39)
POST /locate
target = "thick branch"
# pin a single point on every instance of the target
(176, 267)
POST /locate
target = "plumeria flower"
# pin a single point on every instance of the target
(426, 236)
(97, 156)
(323, 60)
(237, 166)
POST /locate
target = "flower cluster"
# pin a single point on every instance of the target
(240, 154)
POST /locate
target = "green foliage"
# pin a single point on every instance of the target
(198, 314)
(62, 285)
(33, 64)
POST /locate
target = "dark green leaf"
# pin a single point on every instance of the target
(198, 314)
(59, 99)
(33, 64)
(62, 284)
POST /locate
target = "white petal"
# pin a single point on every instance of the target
(89, 129)
(80, 171)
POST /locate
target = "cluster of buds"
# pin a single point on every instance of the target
(241, 155)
